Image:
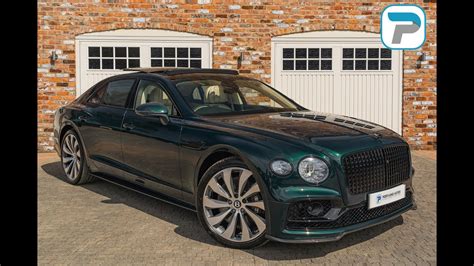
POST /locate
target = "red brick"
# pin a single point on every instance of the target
(252, 26)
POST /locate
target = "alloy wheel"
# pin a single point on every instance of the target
(71, 156)
(233, 205)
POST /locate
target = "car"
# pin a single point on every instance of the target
(253, 164)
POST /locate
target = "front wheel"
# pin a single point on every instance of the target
(231, 205)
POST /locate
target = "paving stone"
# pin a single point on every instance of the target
(104, 224)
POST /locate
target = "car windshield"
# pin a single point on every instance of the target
(223, 95)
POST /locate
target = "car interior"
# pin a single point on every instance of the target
(213, 97)
(150, 92)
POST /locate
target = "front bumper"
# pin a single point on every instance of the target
(279, 231)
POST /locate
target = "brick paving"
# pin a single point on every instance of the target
(101, 223)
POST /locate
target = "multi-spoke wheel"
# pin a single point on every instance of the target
(71, 156)
(231, 205)
(73, 159)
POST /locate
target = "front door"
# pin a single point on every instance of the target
(150, 149)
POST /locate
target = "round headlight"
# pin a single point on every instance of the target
(313, 170)
(281, 167)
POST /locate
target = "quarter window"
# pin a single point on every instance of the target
(366, 59)
(116, 93)
(96, 97)
(307, 59)
(176, 57)
(113, 57)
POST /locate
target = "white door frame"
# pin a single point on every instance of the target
(140, 37)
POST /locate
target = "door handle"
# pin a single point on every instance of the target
(128, 126)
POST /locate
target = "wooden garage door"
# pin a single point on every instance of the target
(104, 54)
(347, 73)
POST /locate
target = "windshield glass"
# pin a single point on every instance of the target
(215, 96)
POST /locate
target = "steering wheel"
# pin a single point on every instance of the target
(219, 105)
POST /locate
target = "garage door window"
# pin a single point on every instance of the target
(366, 59)
(176, 57)
(307, 59)
(113, 57)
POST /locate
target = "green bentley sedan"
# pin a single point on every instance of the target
(253, 164)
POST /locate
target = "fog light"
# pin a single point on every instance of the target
(315, 209)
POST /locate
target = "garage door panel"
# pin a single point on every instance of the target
(321, 93)
(370, 97)
(364, 82)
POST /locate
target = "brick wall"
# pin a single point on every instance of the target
(236, 26)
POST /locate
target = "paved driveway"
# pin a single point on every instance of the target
(101, 223)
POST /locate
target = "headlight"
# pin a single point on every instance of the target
(281, 167)
(313, 170)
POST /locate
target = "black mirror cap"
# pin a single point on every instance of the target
(154, 110)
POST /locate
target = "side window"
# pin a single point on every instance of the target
(96, 98)
(152, 92)
(196, 94)
(116, 93)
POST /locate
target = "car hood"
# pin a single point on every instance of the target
(330, 131)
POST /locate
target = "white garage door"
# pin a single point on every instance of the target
(103, 54)
(340, 72)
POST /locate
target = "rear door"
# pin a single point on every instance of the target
(101, 124)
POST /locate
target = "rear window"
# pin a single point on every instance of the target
(116, 93)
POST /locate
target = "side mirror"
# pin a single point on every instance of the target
(154, 110)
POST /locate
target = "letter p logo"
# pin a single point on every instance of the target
(403, 27)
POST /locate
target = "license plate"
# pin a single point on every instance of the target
(387, 196)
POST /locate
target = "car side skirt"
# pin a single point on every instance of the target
(146, 192)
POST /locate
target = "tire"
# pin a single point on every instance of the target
(73, 160)
(227, 217)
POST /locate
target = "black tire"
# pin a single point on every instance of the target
(84, 175)
(214, 169)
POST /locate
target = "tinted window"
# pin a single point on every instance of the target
(116, 93)
(97, 95)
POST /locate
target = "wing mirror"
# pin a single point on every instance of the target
(154, 110)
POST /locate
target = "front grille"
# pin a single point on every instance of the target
(355, 215)
(377, 169)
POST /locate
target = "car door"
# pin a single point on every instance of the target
(150, 148)
(101, 125)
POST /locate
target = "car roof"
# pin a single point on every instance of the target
(166, 71)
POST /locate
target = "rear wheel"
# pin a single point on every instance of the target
(73, 159)
(231, 205)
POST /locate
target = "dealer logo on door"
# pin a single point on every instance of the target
(403, 27)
